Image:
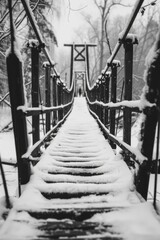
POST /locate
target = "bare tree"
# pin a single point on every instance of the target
(105, 7)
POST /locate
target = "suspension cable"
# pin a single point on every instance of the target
(5, 15)
(124, 34)
(11, 25)
(157, 162)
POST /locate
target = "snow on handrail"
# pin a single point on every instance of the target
(134, 153)
(137, 105)
(38, 110)
(28, 154)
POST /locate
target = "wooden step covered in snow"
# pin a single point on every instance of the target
(80, 190)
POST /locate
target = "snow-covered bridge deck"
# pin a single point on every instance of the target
(81, 190)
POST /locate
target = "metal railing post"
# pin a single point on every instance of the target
(106, 95)
(48, 94)
(35, 50)
(98, 98)
(94, 98)
(101, 99)
(55, 93)
(113, 98)
(59, 87)
(62, 97)
(17, 98)
(128, 68)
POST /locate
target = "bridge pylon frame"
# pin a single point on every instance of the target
(79, 52)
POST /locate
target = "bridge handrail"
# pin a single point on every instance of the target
(40, 110)
(28, 155)
(102, 95)
(62, 97)
(135, 105)
(135, 154)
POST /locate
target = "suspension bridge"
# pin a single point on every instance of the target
(72, 182)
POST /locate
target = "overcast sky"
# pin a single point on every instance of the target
(72, 18)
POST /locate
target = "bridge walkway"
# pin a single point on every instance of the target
(78, 189)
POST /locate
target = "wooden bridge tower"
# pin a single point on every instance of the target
(79, 53)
